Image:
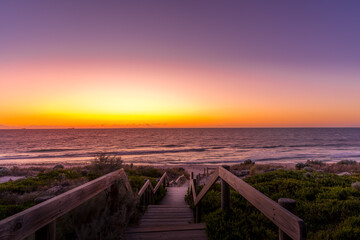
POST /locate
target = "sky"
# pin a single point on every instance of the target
(90, 64)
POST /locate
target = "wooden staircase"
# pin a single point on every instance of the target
(172, 219)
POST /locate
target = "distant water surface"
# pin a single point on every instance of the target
(181, 146)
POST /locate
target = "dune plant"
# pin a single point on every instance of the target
(328, 204)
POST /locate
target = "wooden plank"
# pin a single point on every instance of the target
(180, 227)
(48, 232)
(193, 189)
(178, 215)
(285, 220)
(178, 179)
(168, 206)
(26, 222)
(175, 196)
(174, 209)
(144, 187)
(167, 222)
(164, 219)
(160, 181)
(167, 217)
(225, 193)
(214, 177)
(173, 235)
(187, 211)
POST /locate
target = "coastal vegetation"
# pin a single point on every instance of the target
(93, 217)
(329, 204)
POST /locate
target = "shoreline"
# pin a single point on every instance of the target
(191, 167)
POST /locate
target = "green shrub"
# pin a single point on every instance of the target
(315, 162)
(104, 164)
(347, 162)
(327, 203)
(300, 166)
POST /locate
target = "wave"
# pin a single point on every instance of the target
(335, 145)
(218, 147)
(93, 154)
(172, 146)
(274, 146)
(53, 150)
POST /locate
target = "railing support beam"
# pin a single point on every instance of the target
(197, 208)
(289, 204)
(225, 193)
(48, 232)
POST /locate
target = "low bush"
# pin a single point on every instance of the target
(326, 202)
(347, 162)
(246, 165)
(103, 164)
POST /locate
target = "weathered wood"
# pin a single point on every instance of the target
(27, 222)
(161, 181)
(207, 187)
(179, 227)
(193, 189)
(173, 235)
(197, 207)
(173, 209)
(178, 179)
(48, 232)
(225, 193)
(168, 206)
(114, 196)
(198, 213)
(144, 187)
(284, 219)
(151, 197)
(175, 220)
(171, 220)
(289, 204)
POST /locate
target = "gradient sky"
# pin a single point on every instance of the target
(179, 64)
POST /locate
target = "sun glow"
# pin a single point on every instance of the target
(130, 94)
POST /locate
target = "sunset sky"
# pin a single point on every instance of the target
(179, 64)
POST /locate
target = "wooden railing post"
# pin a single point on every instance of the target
(114, 196)
(48, 232)
(225, 193)
(207, 171)
(145, 200)
(289, 204)
(150, 196)
(197, 208)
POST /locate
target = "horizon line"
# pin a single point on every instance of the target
(97, 128)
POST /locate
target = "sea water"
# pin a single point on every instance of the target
(181, 146)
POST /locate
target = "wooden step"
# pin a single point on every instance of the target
(172, 219)
(156, 228)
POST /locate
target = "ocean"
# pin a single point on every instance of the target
(180, 146)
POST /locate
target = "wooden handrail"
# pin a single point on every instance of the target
(32, 219)
(289, 223)
(148, 184)
(162, 180)
(24, 223)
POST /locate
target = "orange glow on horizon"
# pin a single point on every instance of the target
(139, 94)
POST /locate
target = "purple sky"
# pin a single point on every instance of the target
(305, 33)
